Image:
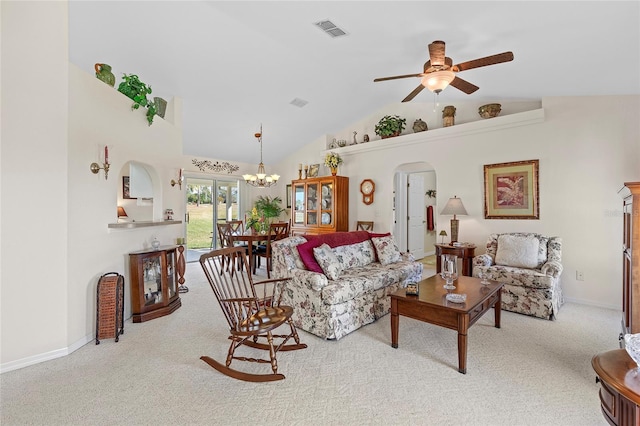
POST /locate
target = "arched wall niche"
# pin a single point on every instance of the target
(140, 192)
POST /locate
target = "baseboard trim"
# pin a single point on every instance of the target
(46, 356)
(591, 303)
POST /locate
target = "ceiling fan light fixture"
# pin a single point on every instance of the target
(438, 81)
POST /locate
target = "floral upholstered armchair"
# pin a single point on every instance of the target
(530, 266)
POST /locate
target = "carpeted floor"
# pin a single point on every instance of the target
(529, 372)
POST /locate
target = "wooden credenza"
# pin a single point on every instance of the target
(630, 194)
(154, 276)
(320, 205)
(619, 387)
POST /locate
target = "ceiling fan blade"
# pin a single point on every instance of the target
(463, 85)
(395, 77)
(436, 53)
(483, 62)
(413, 93)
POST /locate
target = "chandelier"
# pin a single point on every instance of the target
(260, 179)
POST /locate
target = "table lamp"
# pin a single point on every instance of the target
(443, 234)
(454, 207)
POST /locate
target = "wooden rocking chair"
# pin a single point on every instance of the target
(251, 314)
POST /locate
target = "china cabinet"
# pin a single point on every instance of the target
(320, 205)
(630, 194)
(154, 276)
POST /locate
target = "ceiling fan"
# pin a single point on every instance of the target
(439, 71)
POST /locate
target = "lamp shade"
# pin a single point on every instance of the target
(454, 207)
(121, 212)
(437, 81)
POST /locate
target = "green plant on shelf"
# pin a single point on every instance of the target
(137, 91)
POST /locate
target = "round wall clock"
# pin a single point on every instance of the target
(367, 187)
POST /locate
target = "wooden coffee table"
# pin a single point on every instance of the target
(431, 306)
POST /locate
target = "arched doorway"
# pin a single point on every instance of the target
(414, 192)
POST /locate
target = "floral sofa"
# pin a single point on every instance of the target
(349, 284)
(530, 266)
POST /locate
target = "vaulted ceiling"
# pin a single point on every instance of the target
(237, 65)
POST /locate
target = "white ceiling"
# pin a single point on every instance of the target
(239, 64)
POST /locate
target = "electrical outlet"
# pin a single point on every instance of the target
(579, 275)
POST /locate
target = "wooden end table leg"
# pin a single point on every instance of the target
(395, 323)
(463, 327)
(497, 308)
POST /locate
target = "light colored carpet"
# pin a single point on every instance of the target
(529, 372)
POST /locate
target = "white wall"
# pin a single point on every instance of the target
(34, 271)
(56, 120)
(587, 148)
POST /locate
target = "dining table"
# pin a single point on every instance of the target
(250, 237)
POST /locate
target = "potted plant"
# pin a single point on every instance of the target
(267, 209)
(333, 160)
(137, 91)
(390, 125)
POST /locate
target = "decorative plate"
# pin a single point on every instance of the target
(326, 219)
(456, 298)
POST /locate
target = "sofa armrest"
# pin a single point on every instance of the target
(309, 279)
(483, 260)
(408, 256)
(552, 268)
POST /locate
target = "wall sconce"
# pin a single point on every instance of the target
(179, 181)
(95, 167)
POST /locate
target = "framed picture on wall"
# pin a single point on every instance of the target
(511, 190)
(125, 188)
(289, 196)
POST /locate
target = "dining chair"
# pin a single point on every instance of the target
(277, 231)
(364, 226)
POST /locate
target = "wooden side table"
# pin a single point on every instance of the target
(620, 388)
(465, 252)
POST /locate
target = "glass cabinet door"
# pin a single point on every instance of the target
(171, 274)
(299, 204)
(326, 200)
(312, 204)
(152, 279)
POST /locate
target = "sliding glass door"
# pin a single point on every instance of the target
(209, 201)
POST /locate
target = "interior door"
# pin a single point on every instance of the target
(415, 215)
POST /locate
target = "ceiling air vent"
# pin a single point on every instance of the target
(298, 102)
(330, 28)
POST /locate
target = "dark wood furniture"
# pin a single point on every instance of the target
(154, 276)
(320, 205)
(363, 225)
(251, 310)
(465, 253)
(253, 239)
(630, 194)
(619, 387)
(277, 231)
(431, 306)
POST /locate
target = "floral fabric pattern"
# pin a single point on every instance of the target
(331, 309)
(536, 291)
(328, 261)
(386, 249)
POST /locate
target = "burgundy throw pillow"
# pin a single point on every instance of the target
(307, 256)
